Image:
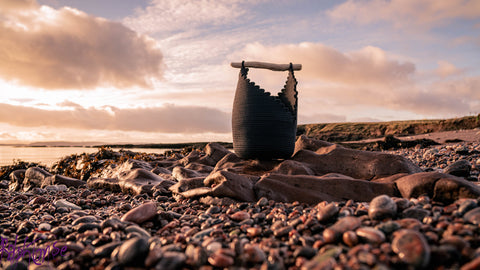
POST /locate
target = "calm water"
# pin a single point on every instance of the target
(49, 155)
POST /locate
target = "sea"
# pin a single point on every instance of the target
(49, 155)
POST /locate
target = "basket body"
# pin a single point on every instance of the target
(264, 126)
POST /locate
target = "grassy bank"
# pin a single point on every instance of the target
(340, 132)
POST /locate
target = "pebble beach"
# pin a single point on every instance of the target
(60, 226)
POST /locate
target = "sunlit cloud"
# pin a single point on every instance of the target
(368, 66)
(17, 4)
(334, 84)
(446, 69)
(403, 13)
(167, 119)
(69, 49)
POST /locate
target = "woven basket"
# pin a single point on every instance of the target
(264, 126)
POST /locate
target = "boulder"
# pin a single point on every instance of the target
(314, 189)
(355, 163)
(227, 184)
(180, 173)
(291, 167)
(459, 168)
(214, 153)
(438, 186)
(217, 184)
(135, 181)
(34, 177)
(16, 180)
(62, 180)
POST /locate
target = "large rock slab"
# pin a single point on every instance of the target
(227, 184)
(214, 153)
(217, 184)
(16, 180)
(355, 163)
(34, 177)
(314, 189)
(62, 180)
(180, 173)
(438, 186)
(135, 181)
(291, 167)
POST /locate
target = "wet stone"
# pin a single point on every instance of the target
(133, 251)
(38, 200)
(106, 250)
(412, 248)
(222, 258)
(307, 252)
(370, 235)
(240, 216)
(415, 212)
(334, 232)
(44, 227)
(82, 227)
(473, 216)
(388, 227)
(141, 213)
(350, 238)
(466, 206)
(254, 254)
(459, 168)
(327, 212)
(64, 203)
(382, 207)
(171, 260)
(136, 229)
(84, 219)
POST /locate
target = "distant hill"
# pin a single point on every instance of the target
(56, 144)
(341, 132)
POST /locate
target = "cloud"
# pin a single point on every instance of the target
(17, 4)
(68, 49)
(446, 69)
(175, 15)
(401, 13)
(368, 66)
(321, 118)
(167, 119)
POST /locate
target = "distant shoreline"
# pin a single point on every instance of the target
(332, 132)
(127, 146)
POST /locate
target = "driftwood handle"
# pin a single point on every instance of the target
(271, 66)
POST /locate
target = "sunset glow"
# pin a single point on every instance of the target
(158, 70)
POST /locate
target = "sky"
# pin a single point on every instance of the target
(153, 71)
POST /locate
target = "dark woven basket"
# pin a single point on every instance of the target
(264, 126)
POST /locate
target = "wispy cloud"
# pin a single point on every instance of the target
(68, 49)
(405, 13)
(166, 119)
(184, 15)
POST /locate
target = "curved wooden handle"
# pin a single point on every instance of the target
(271, 66)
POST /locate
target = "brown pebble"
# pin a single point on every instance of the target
(327, 212)
(332, 233)
(350, 238)
(371, 235)
(222, 258)
(382, 207)
(141, 213)
(411, 248)
(240, 216)
(38, 200)
(254, 231)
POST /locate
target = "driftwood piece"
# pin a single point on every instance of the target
(264, 65)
